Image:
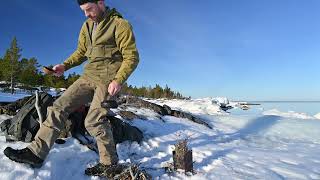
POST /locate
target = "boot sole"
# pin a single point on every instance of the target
(33, 165)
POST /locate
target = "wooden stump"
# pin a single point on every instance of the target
(182, 157)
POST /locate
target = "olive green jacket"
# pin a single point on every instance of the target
(111, 52)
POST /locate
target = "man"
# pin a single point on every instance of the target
(106, 40)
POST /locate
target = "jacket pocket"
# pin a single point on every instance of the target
(98, 52)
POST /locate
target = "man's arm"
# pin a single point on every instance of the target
(126, 43)
(78, 56)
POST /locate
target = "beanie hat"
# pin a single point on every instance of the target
(81, 2)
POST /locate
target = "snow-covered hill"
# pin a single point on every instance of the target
(259, 145)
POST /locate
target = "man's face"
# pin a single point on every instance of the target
(92, 11)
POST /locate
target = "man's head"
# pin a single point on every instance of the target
(93, 9)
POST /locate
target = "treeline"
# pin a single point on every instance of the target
(152, 92)
(25, 73)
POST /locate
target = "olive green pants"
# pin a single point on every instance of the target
(79, 93)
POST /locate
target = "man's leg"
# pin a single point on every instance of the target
(98, 126)
(77, 94)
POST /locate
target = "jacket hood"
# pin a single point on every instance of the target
(112, 12)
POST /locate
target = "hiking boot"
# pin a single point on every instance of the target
(105, 170)
(23, 156)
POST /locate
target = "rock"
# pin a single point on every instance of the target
(167, 109)
(128, 115)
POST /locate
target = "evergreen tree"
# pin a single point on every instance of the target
(48, 80)
(124, 88)
(158, 91)
(71, 79)
(130, 90)
(1, 69)
(167, 92)
(60, 82)
(10, 63)
(29, 73)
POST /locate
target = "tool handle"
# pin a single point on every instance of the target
(48, 70)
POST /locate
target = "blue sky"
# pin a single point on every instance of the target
(241, 49)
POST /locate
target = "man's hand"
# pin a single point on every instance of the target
(114, 88)
(58, 70)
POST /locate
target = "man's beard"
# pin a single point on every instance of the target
(98, 17)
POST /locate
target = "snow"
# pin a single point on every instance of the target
(289, 114)
(7, 97)
(253, 144)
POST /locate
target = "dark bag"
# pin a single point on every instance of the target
(24, 125)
